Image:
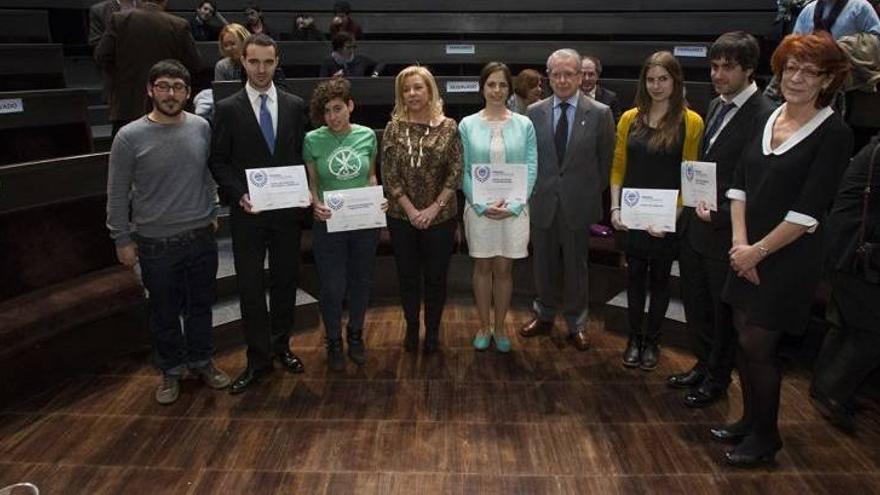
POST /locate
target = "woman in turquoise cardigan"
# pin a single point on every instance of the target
(496, 233)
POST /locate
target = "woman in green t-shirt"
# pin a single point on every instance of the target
(340, 155)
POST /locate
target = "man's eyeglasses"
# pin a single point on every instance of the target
(164, 87)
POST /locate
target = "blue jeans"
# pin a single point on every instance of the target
(345, 265)
(180, 274)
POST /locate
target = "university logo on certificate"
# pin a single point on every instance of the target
(273, 188)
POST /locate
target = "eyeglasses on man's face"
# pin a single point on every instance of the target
(164, 87)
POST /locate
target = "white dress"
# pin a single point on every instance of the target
(486, 237)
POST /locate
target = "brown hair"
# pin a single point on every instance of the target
(525, 81)
(324, 93)
(490, 69)
(669, 129)
(817, 48)
(435, 103)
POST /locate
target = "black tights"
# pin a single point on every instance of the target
(644, 274)
(760, 379)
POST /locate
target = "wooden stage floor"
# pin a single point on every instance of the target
(544, 419)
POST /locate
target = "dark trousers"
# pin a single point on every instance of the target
(851, 350)
(643, 274)
(345, 265)
(278, 232)
(422, 258)
(710, 320)
(574, 245)
(180, 274)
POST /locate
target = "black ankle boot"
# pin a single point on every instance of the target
(411, 340)
(650, 355)
(335, 357)
(356, 350)
(633, 352)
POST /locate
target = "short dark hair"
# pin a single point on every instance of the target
(168, 68)
(340, 39)
(490, 69)
(209, 2)
(324, 93)
(596, 62)
(737, 46)
(259, 40)
(341, 7)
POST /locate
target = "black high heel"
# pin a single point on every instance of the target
(732, 433)
(759, 457)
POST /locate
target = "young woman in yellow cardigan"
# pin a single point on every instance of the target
(652, 140)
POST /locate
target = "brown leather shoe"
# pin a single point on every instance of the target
(536, 327)
(579, 340)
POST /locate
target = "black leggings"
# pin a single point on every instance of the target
(760, 377)
(643, 274)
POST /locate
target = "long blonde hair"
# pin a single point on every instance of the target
(669, 128)
(435, 103)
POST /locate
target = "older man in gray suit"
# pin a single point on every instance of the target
(575, 149)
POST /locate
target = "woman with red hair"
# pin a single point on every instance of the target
(783, 186)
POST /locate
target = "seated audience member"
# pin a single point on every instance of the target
(652, 140)
(851, 350)
(497, 231)
(254, 20)
(838, 17)
(784, 183)
(161, 215)
(304, 29)
(592, 68)
(231, 40)
(340, 155)
(527, 89)
(344, 61)
(342, 21)
(207, 22)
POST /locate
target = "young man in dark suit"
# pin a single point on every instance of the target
(706, 235)
(258, 127)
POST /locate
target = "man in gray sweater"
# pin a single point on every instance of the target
(161, 212)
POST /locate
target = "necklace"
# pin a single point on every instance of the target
(409, 147)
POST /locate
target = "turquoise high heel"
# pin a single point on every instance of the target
(483, 339)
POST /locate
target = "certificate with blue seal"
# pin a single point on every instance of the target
(355, 209)
(698, 184)
(641, 209)
(496, 182)
(273, 188)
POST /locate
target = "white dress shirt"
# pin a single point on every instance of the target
(739, 100)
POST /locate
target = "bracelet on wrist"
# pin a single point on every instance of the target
(615, 208)
(764, 251)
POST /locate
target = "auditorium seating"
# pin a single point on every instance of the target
(36, 125)
(24, 26)
(31, 66)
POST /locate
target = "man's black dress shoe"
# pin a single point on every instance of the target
(731, 433)
(291, 362)
(246, 379)
(705, 395)
(689, 379)
(834, 412)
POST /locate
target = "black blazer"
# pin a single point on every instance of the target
(238, 144)
(609, 98)
(712, 239)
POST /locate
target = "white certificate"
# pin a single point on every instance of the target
(499, 182)
(355, 209)
(643, 208)
(698, 184)
(273, 188)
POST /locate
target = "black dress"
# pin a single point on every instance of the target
(802, 178)
(651, 169)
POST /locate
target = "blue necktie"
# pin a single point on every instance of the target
(266, 123)
(716, 124)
